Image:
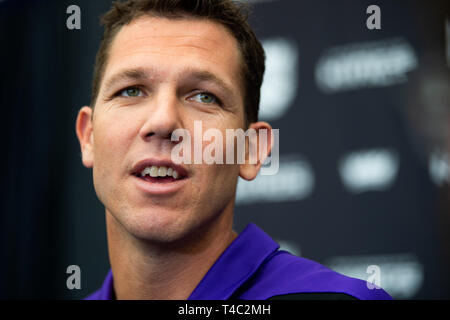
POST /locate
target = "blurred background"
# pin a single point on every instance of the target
(363, 115)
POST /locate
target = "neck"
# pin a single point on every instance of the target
(145, 270)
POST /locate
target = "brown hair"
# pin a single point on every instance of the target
(226, 12)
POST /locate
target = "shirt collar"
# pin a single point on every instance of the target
(234, 266)
(106, 291)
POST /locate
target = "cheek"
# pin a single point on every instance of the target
(219, 188)
(111, 136)
(111, 144)
(112, 140)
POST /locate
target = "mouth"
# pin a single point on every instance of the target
(159, 176)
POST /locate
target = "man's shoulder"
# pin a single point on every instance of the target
(285, 276)
(96, 295)
(106, 291)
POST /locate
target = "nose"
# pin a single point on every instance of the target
(162, 116)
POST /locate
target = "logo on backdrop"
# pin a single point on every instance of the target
(279, 87)
(294, 181)
(369, 170)
(439, 167)
(365, 65)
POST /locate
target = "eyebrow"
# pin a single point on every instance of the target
(138, 74)
(203, 75)
(141, 74)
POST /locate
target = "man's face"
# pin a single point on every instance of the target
(155, 82)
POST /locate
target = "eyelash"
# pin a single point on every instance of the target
(217, 100)
(119, 94)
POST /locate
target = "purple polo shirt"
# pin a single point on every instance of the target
(254, 268)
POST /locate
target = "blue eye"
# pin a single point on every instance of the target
(205, 97)
(131, 92)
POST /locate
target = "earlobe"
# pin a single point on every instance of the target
(84, 130)
(263, 144)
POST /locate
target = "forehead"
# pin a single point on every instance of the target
(170, 45)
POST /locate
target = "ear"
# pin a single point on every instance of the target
(249, 170)
(85, 134)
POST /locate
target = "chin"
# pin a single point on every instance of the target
(160, 226)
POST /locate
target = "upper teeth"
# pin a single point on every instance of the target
(155, 171)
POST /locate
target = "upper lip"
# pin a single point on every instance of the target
(141, 165)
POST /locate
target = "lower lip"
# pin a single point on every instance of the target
(159, 186)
